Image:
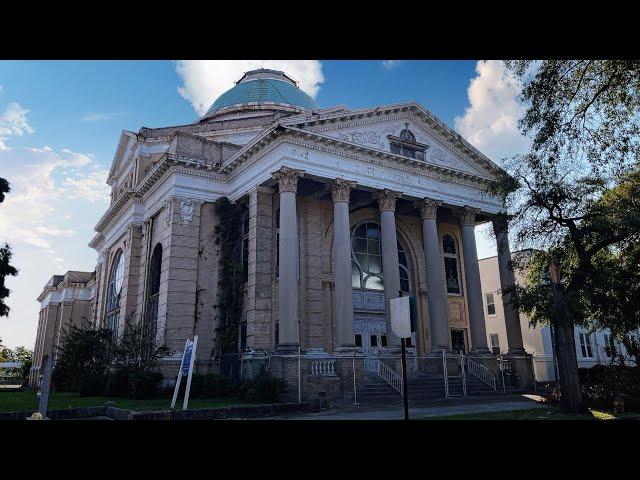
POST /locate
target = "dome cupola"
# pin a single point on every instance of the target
(263, 87)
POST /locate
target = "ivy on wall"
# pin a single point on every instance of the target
(230, 279)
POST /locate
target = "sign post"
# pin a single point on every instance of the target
(46, 384)
(186, 368)
(401, 324)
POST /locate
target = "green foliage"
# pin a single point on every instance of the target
(91, 363)
(83, 357)
(264, 388)
(5, 256)
(230, 283)
(603, 384)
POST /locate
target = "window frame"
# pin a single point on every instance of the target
(113, 298)
(492, 304)
(455, 257)
(585, 345)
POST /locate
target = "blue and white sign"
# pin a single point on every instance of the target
(186, 358)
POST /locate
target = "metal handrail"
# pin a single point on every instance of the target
(390, 376)
(481, 372)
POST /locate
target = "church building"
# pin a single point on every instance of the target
(342, 210)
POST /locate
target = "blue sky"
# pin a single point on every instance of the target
(60, 122)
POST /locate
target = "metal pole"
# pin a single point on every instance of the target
(353, 366)
(46, 383)
(444, 373)
(464, 377)
(404, 379)
(299, 382)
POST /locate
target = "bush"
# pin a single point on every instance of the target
(264, 388)
(92, 384)
(144, 384)
(602, 384)
(216, 386)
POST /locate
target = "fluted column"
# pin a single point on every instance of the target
(472, 276)
(436, 283)
(340, 191)
(507, 282)
(288, 270)
(390, 269)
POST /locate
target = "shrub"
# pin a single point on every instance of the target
(92, 384)
(601, 384)
(264, 388)
(144, 383)
(216, 386)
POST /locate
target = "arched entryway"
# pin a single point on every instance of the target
(368, 288)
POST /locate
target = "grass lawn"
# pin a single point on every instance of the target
(549, 413)
(28, 401)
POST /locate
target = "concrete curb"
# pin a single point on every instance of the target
(240, 411)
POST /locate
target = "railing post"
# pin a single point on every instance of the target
(464, 376)
(299, 379)
(444, 373)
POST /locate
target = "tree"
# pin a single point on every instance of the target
(574, 195)
(5, 256)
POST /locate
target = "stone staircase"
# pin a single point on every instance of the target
(421, 387)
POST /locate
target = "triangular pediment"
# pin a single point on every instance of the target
(444, 147)
(125, 144)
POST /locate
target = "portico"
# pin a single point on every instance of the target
(372, 298)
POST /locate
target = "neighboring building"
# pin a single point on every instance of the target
(591, 347)
(65, 300)
(343, 209)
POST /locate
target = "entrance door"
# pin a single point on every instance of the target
(458, 341)
(371, 333)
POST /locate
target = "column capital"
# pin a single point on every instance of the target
(500, 221)
(468, 215)
(340, 190)
(428, 208)
(287, 179)
(387, 199)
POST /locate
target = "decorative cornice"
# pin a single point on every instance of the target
(468, 216)
(287, 179)
(341, 190)
(428, 208)
(387, 199)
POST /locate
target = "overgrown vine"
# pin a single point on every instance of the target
(230, 280)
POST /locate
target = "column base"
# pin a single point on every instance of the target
(347, 351)
(287, 349)
(522, 368)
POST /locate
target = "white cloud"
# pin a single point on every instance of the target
(13, 122)
(490, 122)
(390, 64)
(97, 117)
(204, 80)
(45, 183)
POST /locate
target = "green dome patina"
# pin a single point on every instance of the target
(263, 86)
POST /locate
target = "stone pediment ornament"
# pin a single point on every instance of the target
(167, 212)
(186, 210)
(468, 215)
(428, 208)
(287, 179)
(387, 199)
(341, 189)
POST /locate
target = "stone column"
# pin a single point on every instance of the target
(507, 281)
(340, 190)
(390, 269)
(474, 288)
(288, 271)
(436, 283)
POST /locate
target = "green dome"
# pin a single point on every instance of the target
(264, 86)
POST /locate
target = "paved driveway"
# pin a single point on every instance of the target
(483, 405)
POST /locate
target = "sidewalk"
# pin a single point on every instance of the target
(395, 412)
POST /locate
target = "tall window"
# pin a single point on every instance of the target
(366, 259)
(114, 288)
(585, 345)
(491, 304)
(609, 345)
(494, 341)
(451, 264)
(153, 293)
(245, 246)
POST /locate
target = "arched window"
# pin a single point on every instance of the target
(366, 259)
(451, 264)
(114, 288)
(153, 292)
